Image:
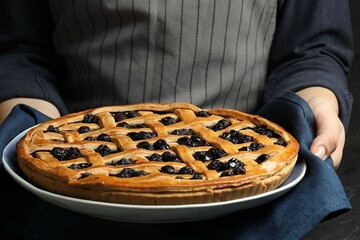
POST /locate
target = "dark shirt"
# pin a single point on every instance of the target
(312, 46)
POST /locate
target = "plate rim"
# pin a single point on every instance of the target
(9, 165)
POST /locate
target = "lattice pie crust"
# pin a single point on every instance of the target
(156, 154)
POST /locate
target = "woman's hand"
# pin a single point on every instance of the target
(330, 133)
(45, 107)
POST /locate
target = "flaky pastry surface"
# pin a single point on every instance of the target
(156, 154)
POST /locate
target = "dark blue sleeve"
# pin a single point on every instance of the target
(312, 46)
(28, 64)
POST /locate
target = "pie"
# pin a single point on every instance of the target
(158, 154)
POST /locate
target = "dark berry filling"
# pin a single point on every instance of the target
(129, 173)
(182, 132)
(123, 125)
(232, 167)
(168, 121)
(203, 114)
(280, 142)
(266, 132)
(192, 141)
(211, 154)
(168, 169)
(196, 176)
(165, 157)
(215, 165)
(84, 175)
(65, 154)
(90, 118)
(121, 162)
(90, 139)
(80, 165)
(135, 136)
(186, 170)
(126, 125)
(104, 137)
(119, 116)
(171, 170)
(83, 129)
(160, 144)
(253, 147)
(222, 124)
(236, 137)
(51, 128)
(262, 158)
(103, 150)
(145, 145)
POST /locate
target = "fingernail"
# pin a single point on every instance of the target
(320, 152)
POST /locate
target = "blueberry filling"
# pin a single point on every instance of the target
(233, 164)
(186, 170)
(83, 129)
(222, 124)
(138, 126)
(196, 176)
(165, 157)
(266, 132)
(90, 118)
(168, 169)
(182, 132)
(53, 129)
(120, 162)
(65, 154)
(171, 170)
(215, 165)
(160, 144)
(211, 154)
(119, 116)
(126, 125)
(236, 137)
(123, 125)
(280, 142)
(135, 136)
(145, 145)
(90, 139)
(168, 121)
(203, 114)
(253, 147)
(129, 173)
(80, 165)
(103, 150)
(104, 137)
(262, 158)
(192, 141)
(84, 175)
(232, 167)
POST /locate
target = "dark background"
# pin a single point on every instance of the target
(347, 226)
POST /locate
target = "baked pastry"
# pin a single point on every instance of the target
(158, 154)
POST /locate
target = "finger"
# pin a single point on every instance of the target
(329, 130)
(338, 153)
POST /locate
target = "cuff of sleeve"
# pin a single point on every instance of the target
(30, 86)
(303, 80)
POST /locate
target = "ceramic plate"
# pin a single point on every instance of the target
(145, 213)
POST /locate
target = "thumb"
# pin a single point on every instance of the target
(330, 137)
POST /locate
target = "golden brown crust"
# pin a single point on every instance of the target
(93, 178)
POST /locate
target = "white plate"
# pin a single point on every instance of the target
(152, 213)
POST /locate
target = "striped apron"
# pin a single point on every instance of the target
(207, 52)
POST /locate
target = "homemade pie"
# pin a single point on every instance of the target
(158, 154)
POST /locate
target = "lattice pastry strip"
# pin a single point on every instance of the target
(158, 154)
